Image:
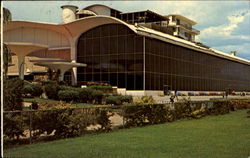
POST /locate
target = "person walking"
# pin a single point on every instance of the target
(176, 95)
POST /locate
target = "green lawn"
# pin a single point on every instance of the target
(40, 100)
(224, 136)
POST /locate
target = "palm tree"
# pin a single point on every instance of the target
(6, 50)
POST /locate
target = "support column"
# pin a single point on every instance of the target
(144, 65)
(21, 63)
(74, 76)
(73, 52)
(62, 72)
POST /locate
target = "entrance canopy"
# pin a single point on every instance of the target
(21, 50)
(62, 66)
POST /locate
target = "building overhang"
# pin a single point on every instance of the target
(183, 18)
(58, 65)
(23, 49)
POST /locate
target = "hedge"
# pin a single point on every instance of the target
(139, 115)
(51, 90)
(63, 123)
(118, 99)
(68, 95)
(85, 95)
(12, 94)
(71, 122)
(35, 90)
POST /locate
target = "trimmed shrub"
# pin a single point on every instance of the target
(126, 99)
(34, 90)
(51, 90)
(97, 95)
(106, 88)
(68, 95)
(85, 95)
(63, 87)
(115, 100)
(37, 90)
(12, 94)
(27, 90)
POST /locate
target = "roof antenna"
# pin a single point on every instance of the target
(233, 53)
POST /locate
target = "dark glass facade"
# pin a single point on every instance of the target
(189, 70)
(113, 53)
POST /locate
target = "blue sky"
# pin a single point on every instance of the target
(224, 25)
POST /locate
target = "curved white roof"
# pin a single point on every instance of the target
(101, 5)
(71, 29)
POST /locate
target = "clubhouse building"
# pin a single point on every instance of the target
(136, 51)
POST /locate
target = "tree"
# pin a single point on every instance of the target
(6, 50)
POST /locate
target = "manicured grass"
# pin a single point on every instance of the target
(39, 100)
(224, 136)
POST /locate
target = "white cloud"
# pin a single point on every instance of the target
(243, 50)
(225, 33)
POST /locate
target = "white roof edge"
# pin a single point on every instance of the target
(38, 22)
(132, 27)
(187, 44)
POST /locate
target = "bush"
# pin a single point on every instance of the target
(219, 108)
(70, 122)
(239, 104)
(103, 119)
(115, 100)
(12, 94)
(97, 95)
(85, 95)
(147, 114)
(34, 90)
(27, 90)
(51, 90)
(126, 99)
(38, 90)
(34, 105)
(13, 125)
(106, 88)
(63, 87)
(68, 95)
(198, 113)
(145, 100)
